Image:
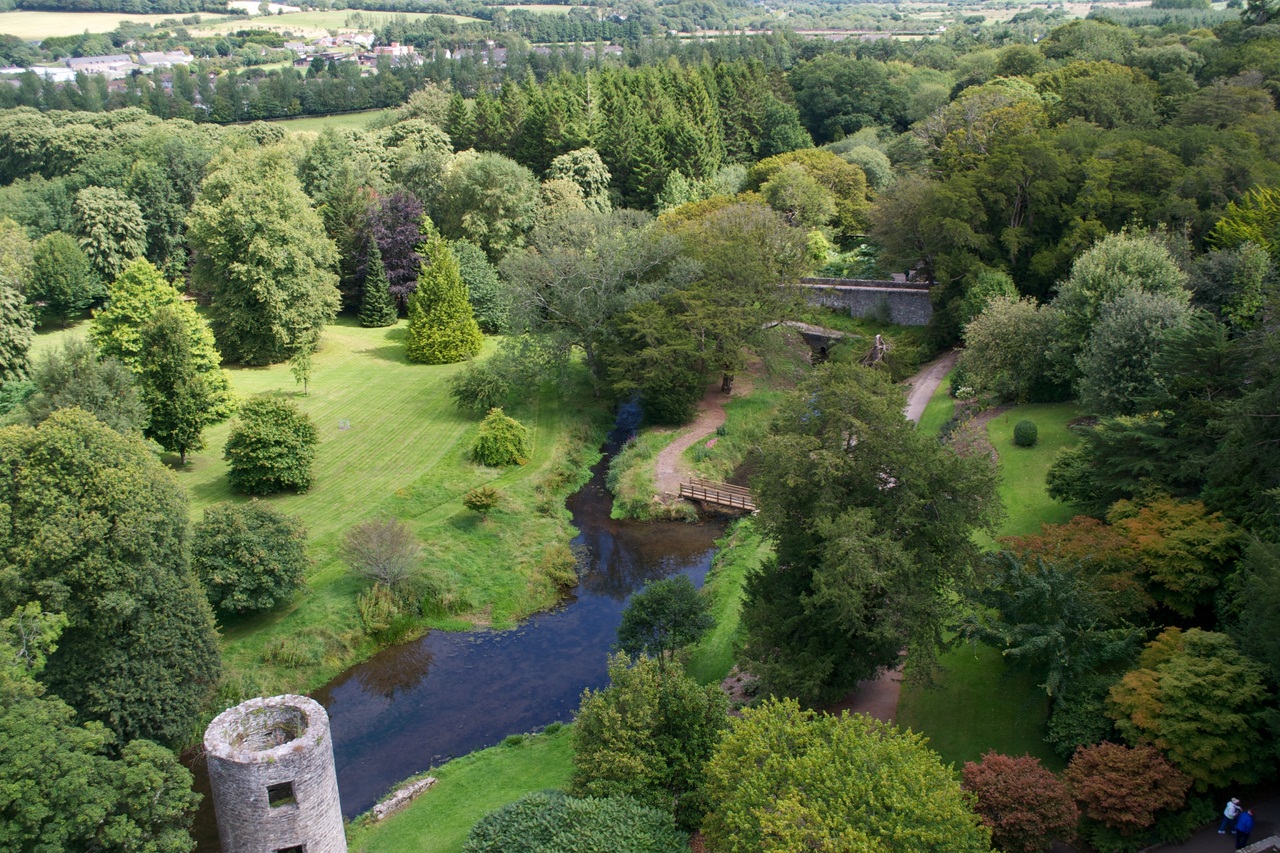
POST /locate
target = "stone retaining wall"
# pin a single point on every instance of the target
(907, 302)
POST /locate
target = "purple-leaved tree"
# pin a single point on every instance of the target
(395, 221)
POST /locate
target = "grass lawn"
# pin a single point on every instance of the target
(979, 707)
(358, 120)
(940, 408)
(741, 550)
(467, 789)
(32, 26)
(1023, 469)
(392, 444)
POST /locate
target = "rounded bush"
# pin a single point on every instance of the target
(271, 448)
(248, 557)
(550, 822)
(1025, 434)
(501, 441)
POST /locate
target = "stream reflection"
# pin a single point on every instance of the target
(415, 705)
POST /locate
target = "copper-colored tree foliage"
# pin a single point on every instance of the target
(1026, 806)
(1124, 787)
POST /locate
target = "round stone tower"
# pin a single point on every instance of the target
(274, 786)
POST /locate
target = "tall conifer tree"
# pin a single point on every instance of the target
(442, 328)
(377, 309)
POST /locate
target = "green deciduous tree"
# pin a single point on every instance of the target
(73, 376)
(1254, 219)
(1116, 365)
(585, 168)
(73, 786)
(15, 255)
(111, 229)
(487, 199)
(1025, 805)
(262, 255)
(662, 618)
(1006, 349)
(647, 735)
(17, 329)
(135, 297)
(177, 395)
(442, 329)
(787, 779)
(61, 282)
(98, 530)
(872, 524)
(248, 557)
(1116, 264)
(582, 270)
(271, 447)
(1200, 702)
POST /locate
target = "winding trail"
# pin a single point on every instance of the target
(669, 468)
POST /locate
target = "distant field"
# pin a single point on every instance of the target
(317, 23)
(358, 120)
(30, 26)
(542, 8)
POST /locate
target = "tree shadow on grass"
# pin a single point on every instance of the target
(393, 346)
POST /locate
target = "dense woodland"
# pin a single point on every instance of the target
(1096, 205)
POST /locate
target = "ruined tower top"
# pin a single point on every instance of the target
(272, 772)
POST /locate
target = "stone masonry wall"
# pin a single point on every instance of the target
(908, 303)
(263, 743)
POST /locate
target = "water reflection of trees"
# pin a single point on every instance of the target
(623, 559)
(395, 669)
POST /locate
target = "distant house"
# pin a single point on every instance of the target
(165, 59)
(395, 49)
(113, 66)
(298, 47)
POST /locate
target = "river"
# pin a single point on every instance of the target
(418, 704)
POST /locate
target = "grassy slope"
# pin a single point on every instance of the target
(358, 120)
(740, 551)
(978, 705)
(468, 788)
(404, 455)
(1023, 469)
(32, 26)
(940, 408)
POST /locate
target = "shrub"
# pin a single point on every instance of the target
(1025, 805)
(1123, 788)
(383, 550)
(559, 564)
(482, 499)
(478, 388)
(378, 609)
(248, 556)
(1079, 716)
(550, 820)
(1025, 434)
(271, 447)
(648, 735)
(501, 441)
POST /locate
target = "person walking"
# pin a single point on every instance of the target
(1244, 826)
(1229, 815)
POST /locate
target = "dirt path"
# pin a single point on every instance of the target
(670, 469)
(924, 383)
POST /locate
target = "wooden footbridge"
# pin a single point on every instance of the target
(718, 494)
